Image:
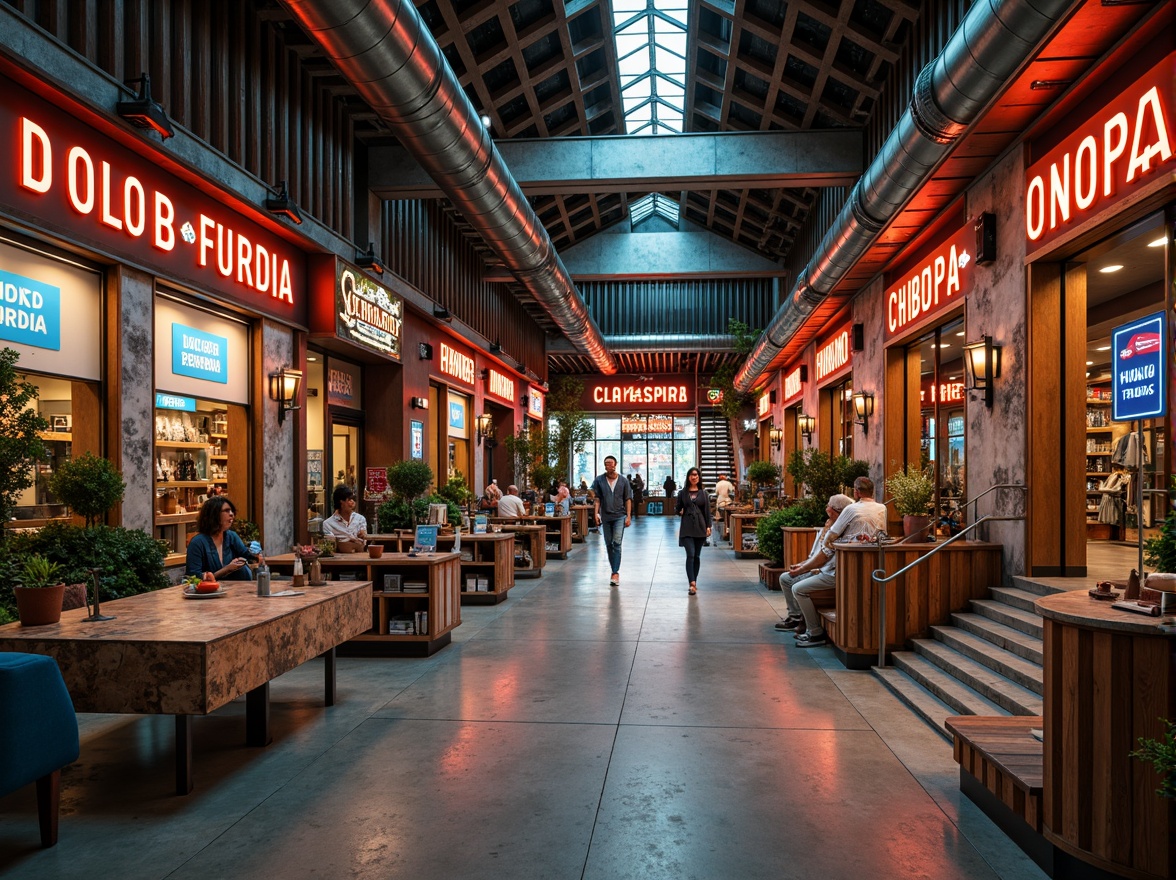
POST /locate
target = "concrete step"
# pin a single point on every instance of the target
(962, 699)
(1012, 640)
(920, 700)
(1014, 698)
(1015, 598)
(1018, 670)
(1026, 621)
(1031, 586)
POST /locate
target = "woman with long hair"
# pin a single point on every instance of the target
(217, 548)
(693, 506)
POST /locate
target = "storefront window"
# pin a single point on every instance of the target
(654, 446)
(939, 355)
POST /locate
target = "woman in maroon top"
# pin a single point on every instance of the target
(693, 506)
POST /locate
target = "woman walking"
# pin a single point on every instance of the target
(693, 506)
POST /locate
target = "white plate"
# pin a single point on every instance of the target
(221, 592)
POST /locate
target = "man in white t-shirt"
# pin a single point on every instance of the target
(511, 504)
(724, 491)
(863, 518)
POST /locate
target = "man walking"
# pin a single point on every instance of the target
(724, 490)
(614, 511)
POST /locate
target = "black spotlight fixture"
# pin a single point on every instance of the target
(495, 347)
(143, 111)
(441, 313)
(281, 204)
(368, 260)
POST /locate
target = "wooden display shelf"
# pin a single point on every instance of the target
(581, 520)
(442, 601)
(219, 457)
(1105, 430)
(182, 484)
(741, 522)
(181, 444)
(220, 436)
(557, 527)
(169, 519)
(175, 559)
(1095, 402)
(533, 539)
(60, 436)
(493, 558)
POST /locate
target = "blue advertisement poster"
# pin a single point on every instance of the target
(1139, 374)
(30, 311)
(174, 401)
(200, 355)
(457, 415)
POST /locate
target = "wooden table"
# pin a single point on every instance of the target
(559, 531)
(582, 515)
(740, 523)
(491, 557)
(439, 572)
(167, 655)
(531, 537)
(1110, 676)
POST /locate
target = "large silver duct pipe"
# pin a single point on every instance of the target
(674, 342)
(385, 51)
(995, 38)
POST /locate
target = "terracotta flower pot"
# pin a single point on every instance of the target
(39, 606)
(917, 525)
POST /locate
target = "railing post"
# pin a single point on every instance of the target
(882, 599)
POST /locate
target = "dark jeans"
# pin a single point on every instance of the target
(613, 531)
(693, 550)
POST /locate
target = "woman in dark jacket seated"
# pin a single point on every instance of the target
(217, 548)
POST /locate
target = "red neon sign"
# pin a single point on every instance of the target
(90, 189)
(633, 393)
(833, 355)
(938, 282)
(793, 384)
(1113, 153)
(500, 385)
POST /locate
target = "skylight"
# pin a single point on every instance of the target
(654, 203)
(651, 55)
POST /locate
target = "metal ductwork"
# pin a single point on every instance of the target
(993, 41)
(672, 342)
(385, 51)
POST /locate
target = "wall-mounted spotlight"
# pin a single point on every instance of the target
(863, 407)
(424, 351)
(144, 112)
(495, 347)
(368, 260)
(418, 402)
(982, 366)
(282, 205)
(485, 425)
(441, 313)
(524, 401)
(776, 438)
(284, 386)
(806, 425)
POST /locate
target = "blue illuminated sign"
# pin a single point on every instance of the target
(199, 355)
(456, 415)
(1138, 373)
(174, 401)
(30, 311)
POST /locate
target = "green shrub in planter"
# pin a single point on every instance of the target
(131, 561)
(804, 515)
(409, 479)
(763, 473)
(769, 537)
(89, 486)
(399, 514)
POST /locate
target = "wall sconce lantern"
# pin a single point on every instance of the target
(982, 367)
(145, 112)
(485, 426)
(419, 402)
(282, 205)
(863, 407)
(776, 438)
(806, 425)
(284, 387)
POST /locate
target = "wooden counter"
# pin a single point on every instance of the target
(582, 515)
(740, 524)
(531, 537)
(439, 571)
(1110, 676)
(167, 655)
(491, 557)
(559, 531)
(925, 596)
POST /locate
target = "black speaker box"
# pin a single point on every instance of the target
(985, 239)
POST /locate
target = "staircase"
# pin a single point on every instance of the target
(987, 662)
(715, 453)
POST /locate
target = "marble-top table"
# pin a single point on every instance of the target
(164, 654)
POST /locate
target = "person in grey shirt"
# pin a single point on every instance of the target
(614, 513)
(511, 504)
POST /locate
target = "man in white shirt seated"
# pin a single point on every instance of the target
(862, 519)
(348, 528)
(511, 504)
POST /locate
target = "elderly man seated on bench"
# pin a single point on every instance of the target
(862, 517)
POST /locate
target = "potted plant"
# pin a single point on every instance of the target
(39, 591)
(913, 490)
(769, 534)
(763, 473)
(801, 522)
(89, 486)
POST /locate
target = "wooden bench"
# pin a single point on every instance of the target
(1001, 771)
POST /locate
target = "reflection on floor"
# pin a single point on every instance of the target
(575, 731)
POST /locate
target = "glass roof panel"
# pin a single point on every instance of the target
(651, 37)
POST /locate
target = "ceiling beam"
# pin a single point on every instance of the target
(619, 163)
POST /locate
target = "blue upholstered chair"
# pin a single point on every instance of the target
(38, 732)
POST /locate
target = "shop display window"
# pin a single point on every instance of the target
(652, 445)
(201, 450)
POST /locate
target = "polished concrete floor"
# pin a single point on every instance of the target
(574, 731)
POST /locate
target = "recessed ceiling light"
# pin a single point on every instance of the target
(945, 345)
(1103, 348)
(961, 333)
(1159, 242)
(1088, 374)
(1090, 363)
(311, 357)
(1111, 268)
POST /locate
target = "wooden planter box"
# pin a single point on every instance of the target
(770, 575)
(798, 544)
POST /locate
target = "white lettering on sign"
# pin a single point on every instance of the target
(930, 287)
(201, 354)
(339, 384)
(1126, 141)
(501, 386)
(792, 384)
(640, 394)
(457, 364)
(948, 392)
(764, 404)
(121, 202)
(833, 355)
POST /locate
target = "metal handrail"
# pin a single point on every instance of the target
(879, 574)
